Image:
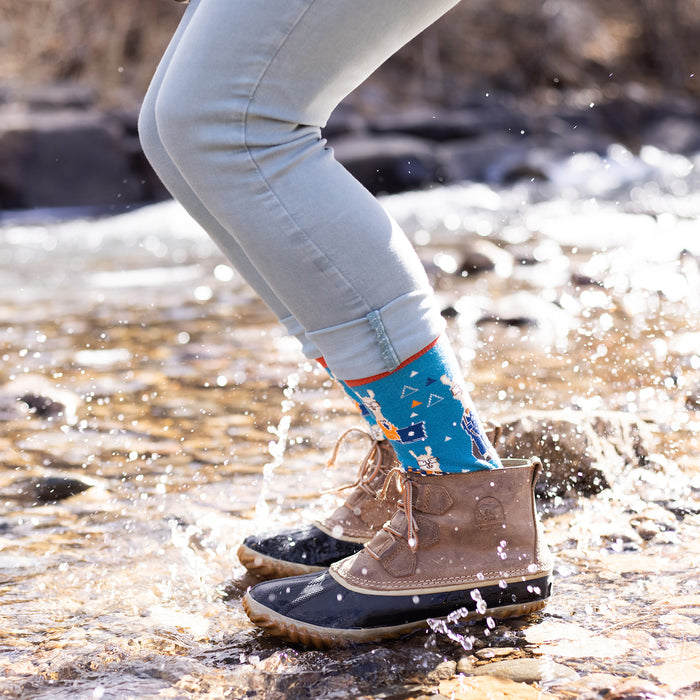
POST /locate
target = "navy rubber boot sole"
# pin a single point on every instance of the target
(317, 611)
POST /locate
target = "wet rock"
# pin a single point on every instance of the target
(39, 397)
(504, 157)
(626, 117)
(58, 96)
(582, 453)
(50, 489)
(652, 521)
(466, 665)
(478, 688)
(628, 669)
(446, 669)
(386, 668)
(479, 160)
(527, 671)
(475, 261)
(484, 256)
(448, 312)
(682, 508)
(647, 529)
(621, 540)
(692, 399)
(635, 689)
(43, 406)
(43, 489)
(431, 123)
(528, 310)
(389, 164)
(611, 687)
(493, 652)
(63, 158)
(578, 279)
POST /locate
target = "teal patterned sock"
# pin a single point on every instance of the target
(374, 429)
(424, 409)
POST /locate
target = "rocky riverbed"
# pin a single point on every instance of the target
(59, 148)
(152, 414)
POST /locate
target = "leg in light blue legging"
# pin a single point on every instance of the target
(239, 110)
(178, 187)
(238, 105)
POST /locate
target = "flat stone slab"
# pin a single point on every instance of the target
(526, 671)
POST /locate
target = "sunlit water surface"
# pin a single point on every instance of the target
(196, 421)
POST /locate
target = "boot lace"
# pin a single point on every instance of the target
(405, 504)
(369, 467)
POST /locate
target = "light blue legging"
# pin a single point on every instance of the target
(231, 124)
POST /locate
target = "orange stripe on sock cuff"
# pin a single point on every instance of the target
(374, 378)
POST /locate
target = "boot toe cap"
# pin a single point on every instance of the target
(306, 545)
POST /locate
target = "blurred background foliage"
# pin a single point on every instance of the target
(514, 46)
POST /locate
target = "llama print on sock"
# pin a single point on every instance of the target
(411, 433)
(427, 463)
(481, 448)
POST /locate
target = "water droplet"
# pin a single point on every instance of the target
(224, 273)
(203, 293)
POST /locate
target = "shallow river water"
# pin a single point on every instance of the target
(139, 372)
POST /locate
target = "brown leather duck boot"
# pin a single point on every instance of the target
(314, 547)
(468, 541)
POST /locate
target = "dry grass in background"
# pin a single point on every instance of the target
(513, 45)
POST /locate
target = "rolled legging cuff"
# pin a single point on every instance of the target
(383, 339)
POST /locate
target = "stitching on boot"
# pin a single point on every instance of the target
(400, 560)
(478, 578)
(434, 500)
(428, 532)
(381, 543)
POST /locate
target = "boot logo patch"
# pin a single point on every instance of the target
(489, 513)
